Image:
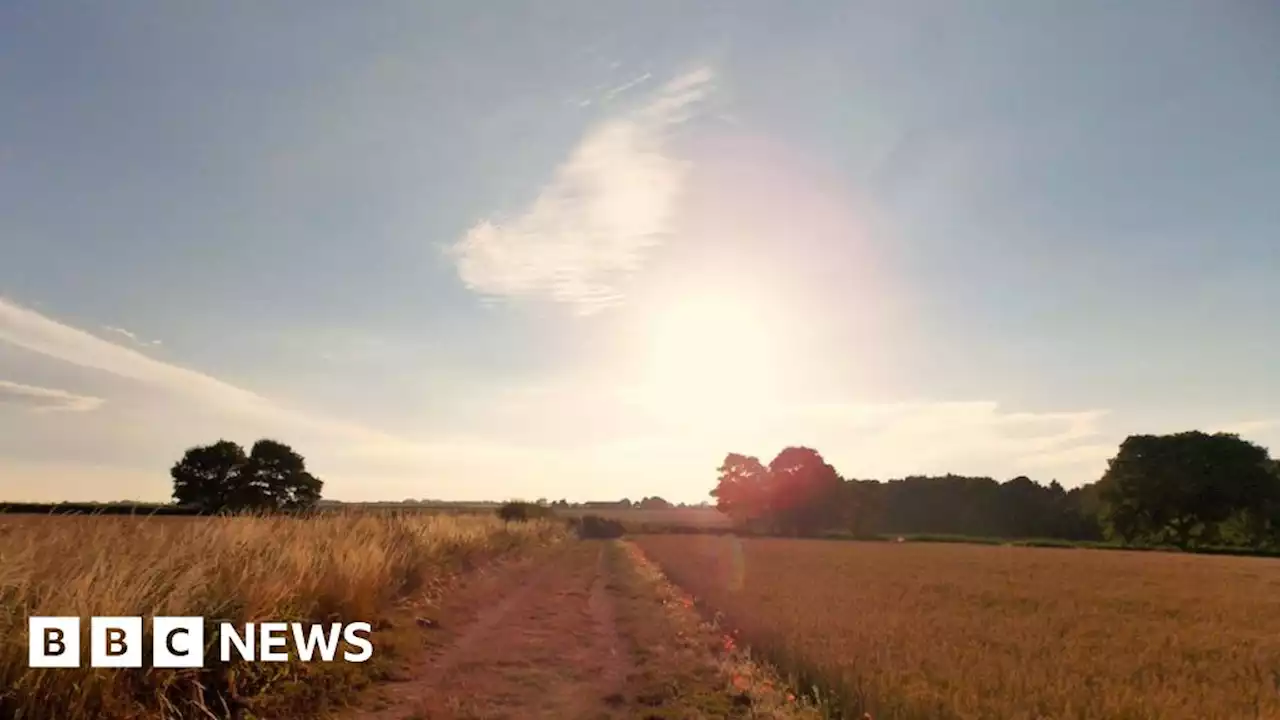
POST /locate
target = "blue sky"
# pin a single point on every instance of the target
(584, 249)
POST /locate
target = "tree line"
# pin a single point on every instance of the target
(1185, 489)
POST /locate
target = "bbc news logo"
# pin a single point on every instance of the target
(178, 642)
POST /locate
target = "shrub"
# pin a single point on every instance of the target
(520, 511)
(594, 526)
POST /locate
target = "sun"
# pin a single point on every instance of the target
(708, 354)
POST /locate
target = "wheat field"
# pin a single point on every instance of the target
(937, 631)
(340, 567)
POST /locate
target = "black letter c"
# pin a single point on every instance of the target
(168, 641)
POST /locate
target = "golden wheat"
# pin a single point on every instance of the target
(338, 567)
(916, 631)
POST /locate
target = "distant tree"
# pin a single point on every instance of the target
(1025, 508)
(742, 490)
(804, 491)
(1180, 488)
(654, 503)
(861, 506)
(209, 476)
(222, 478)
(522, 511)
(1260, 526)
(279, 477)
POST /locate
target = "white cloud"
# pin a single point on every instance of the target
(509, 447)
(363, 462)
(591, 225)
(976, 437)
(40, 399)
(132, 336)
(603, 419)
(121, 331)
(1091, 455)
(35, 332)
(627, 86)
(38, 333)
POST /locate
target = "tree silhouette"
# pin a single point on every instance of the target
(222, 478)
(208, 477)
(804, 491)
(798, 493)
(1181, 487)
(742, 491)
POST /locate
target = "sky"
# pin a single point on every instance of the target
(583, 249)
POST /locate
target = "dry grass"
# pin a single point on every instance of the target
(952, 631)
(637, 520)
(677, 649)
(344, 568)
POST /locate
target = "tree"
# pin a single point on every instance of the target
(208, 476)
(861, 505)
(742, 491)
(654, 503)
(804, 491)
(222, 478)
(279, 478)
(1180, 488)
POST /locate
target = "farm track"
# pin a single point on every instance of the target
(577, 633)
(536, 640)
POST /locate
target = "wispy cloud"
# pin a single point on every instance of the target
(614, 92)
(35, 332)
(589, 228)
(1091, 455)
(40, 399)
(121, 331)
(962, 436)
(38, 333)
(132, 336)
(350, 453)
(864, 439)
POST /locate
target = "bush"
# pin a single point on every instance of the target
(520, 511)
(594, 526)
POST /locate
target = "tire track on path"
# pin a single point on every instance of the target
(548, 648)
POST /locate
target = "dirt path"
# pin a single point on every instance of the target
(543, 644)
(576, 634)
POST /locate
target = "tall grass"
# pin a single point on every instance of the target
(329, 568)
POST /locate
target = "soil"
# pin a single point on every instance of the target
(575, 633)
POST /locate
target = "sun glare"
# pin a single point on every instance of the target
(708, 354)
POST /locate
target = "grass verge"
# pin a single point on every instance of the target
(326, 568)
(686, 666)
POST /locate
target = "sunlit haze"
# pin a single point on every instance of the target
(583, 250)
